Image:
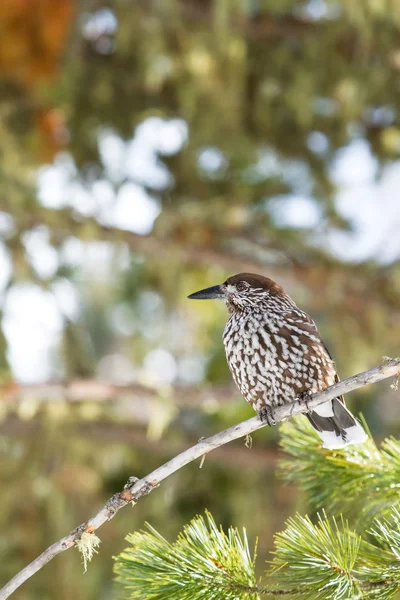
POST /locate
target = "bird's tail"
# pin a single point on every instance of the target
(335, 425)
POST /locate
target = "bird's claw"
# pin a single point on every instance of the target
(266, 416)
(303, 399)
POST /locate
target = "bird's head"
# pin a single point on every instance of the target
(242, 291)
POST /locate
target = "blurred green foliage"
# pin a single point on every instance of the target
(261, 99)
(255, 85)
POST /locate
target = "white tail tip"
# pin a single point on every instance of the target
(354, 435)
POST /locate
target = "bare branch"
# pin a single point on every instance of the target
(135, 489)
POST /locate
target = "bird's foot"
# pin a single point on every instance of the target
(266, 416)
(303, 399)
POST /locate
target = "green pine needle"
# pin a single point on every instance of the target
(387, 533)
(323, 561)
(383, 561)
(203, 563)
(316, 561)
(329, 560)
(359, 480)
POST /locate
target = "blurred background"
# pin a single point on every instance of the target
(149, 149)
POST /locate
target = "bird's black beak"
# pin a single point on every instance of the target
(208, 294)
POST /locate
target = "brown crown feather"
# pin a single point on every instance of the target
(256, 281)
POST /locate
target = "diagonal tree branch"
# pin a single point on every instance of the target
(135, 488)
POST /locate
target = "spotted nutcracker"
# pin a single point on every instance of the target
(276, 355)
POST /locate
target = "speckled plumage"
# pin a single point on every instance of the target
(274, 349)
(276, 354)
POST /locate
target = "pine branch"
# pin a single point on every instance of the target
(135, 489)
(359, 480)
(322, 561)
(317, 561)
(203, 562)
(329, 560)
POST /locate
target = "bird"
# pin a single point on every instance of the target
(276, 356)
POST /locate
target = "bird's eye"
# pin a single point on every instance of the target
(241, 286)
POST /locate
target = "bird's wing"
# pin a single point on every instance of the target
(305, 328)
